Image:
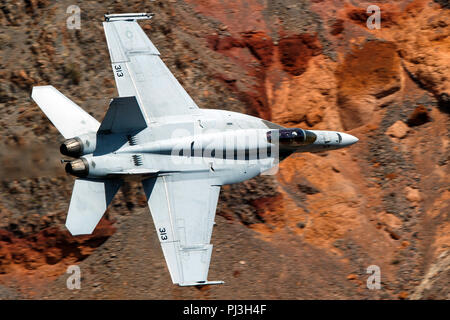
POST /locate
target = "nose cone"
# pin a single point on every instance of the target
(348, 139)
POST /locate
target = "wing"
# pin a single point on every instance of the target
(140, 72)
(183, 213)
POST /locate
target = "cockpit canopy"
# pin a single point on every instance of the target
(293, 137)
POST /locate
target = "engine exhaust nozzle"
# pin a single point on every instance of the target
(78, 168)
(72, 148)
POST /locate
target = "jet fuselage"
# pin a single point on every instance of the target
(232, 147)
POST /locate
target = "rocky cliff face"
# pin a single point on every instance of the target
(324, 218)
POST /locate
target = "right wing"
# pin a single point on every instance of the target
(140, 72)
(183, 213)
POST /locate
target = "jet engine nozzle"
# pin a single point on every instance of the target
(72, 148)
(78, 168)
(79, 146)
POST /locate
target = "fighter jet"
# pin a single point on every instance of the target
(155, 133)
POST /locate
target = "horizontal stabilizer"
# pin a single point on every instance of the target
(90, 198)
(123, 115)
(70, 120)
(192, 264)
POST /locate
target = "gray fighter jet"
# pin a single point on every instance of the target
(155, 133)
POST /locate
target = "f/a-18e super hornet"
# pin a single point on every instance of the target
(155, 133)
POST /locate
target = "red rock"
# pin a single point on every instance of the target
(296, 51)
(261, 46)
(337, 27)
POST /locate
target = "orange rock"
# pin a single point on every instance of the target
(403, 295)
(368, 77)
(413, 195)
(352, 276)
(315, 117)
(398, 130)
(422, 36)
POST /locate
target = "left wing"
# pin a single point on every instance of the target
(183, 213)
(139, 71)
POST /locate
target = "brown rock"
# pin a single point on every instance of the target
(337, 27)
(53, 255)
(418, 117)
(394, 235)
(403, 295)
(22, 79)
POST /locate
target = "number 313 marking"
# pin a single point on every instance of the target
(119, 71)
(163, 233)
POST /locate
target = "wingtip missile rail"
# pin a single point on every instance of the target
(128, 16)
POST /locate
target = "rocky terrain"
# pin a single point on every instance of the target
(308, 232)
